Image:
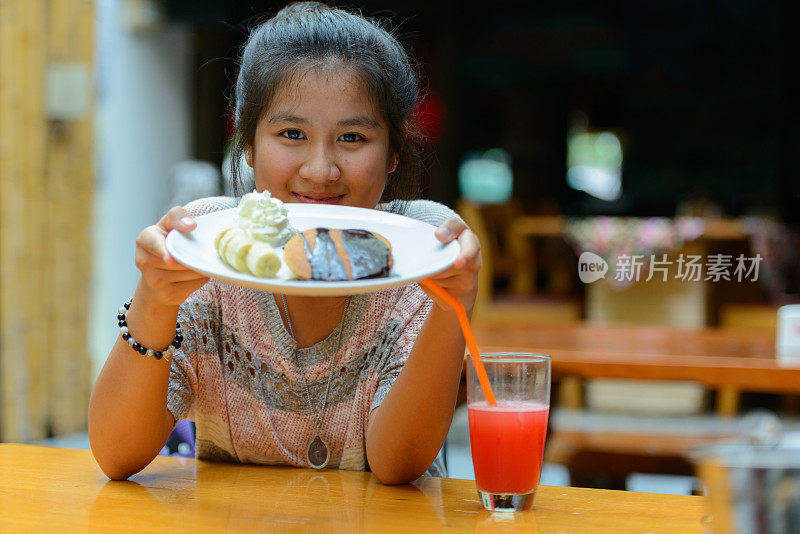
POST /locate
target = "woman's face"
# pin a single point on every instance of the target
(322, 141)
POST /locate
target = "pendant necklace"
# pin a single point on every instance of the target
(318, 453)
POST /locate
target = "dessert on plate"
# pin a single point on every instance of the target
(338, 255)
(261, 241)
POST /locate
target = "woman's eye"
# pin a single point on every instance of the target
(351, 138)
(292, 134)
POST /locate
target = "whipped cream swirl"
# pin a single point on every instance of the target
(264, 218)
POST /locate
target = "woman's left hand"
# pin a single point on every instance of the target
(461, 279)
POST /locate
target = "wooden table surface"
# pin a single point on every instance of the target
(43, 488)
(714, 357)
(553, 226)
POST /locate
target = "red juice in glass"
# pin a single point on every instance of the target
(507, 443)
(507, 438)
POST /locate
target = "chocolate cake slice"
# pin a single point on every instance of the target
(338, 255)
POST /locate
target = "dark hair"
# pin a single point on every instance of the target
(311, 35)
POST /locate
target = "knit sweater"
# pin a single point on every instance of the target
(240, 376)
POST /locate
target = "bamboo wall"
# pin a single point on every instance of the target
(46, 182)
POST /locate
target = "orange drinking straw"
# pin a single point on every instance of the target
(466, 329)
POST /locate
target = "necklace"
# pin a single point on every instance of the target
(318, 453)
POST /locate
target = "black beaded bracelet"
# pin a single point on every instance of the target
(138, 347)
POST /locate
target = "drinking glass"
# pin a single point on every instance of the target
(507, 440)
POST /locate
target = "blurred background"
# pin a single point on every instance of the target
(663, 128)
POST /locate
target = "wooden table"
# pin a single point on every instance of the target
(553, 226)
(42, 489)
(717, 358)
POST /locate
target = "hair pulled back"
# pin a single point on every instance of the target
(311, 35)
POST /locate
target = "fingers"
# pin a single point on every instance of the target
(153, 238)
(450, 230)
(151, 255)
(169, 281)
(152, 265)
(461, 278)
(470, 255)
(151, 250)
(460, 281)
(177, 218)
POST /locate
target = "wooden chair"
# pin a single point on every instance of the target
(508, 257)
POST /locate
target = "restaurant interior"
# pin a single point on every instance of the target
(630, 169)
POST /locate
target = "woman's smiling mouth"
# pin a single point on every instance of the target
(317, 198)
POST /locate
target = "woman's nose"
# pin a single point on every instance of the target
(320, 165)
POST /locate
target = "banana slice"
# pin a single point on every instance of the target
(263, 260)
(247, 255)
(218, 240)
(237, 248)
(222, 242)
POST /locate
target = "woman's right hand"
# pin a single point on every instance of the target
(164, 280)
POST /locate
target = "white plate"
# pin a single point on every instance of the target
(416, 252)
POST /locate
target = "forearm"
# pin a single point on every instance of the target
(128, 420)
(408, 429)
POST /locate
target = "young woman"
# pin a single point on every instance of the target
(323, 101)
